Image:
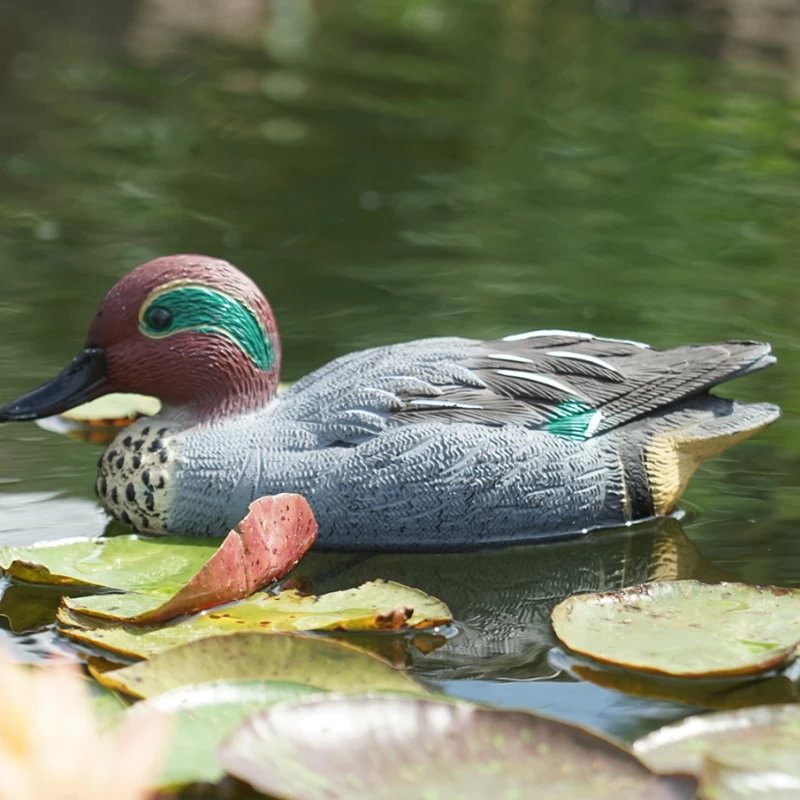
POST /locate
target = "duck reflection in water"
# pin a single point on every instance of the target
(501, 599)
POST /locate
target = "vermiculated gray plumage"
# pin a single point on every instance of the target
(451, 443)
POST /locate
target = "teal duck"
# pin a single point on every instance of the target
(431, 444)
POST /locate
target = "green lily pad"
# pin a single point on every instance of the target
(390, 748)
(266, 544)
(379, 605)
(684, 628)
(758, 739)
(205, 714)
(127, 563)
(311, 661)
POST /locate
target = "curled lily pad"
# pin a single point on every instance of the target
(378, 605)
(205, 714)
(259, 656)
(375, 747)
(756, 740)
(175, 577)
(266, 544)
(684, 628)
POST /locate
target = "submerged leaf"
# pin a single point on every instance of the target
(205, 714)
(260, 656)
(379, 605)
(177, 576)
(709, 693)
(684, 628)
(375, 747)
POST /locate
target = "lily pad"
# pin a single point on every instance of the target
(205, 714)
(390, 748)
(114, 406)
(127, 563)
(684, 628)
(758, 739)
(266, 544)
(319, 662)
(379, 605)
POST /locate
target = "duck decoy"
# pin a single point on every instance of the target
(444, 443)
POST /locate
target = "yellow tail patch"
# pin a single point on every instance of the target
(672, 457)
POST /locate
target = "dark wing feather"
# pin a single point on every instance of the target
(530, 378)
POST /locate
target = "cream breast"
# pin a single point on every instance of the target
(134, 479)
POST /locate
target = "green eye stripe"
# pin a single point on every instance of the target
(204, 310)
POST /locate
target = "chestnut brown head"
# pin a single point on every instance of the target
(191, 330)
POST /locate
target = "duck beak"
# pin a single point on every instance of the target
(83, 380)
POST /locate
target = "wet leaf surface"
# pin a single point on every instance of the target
(205, 714)
(684, 628)
(390, 748)
(375, 606)
(311, 661)
(758, 739)
(126, 563)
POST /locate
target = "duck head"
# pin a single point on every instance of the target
(191, 330)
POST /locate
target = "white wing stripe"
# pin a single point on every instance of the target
(594, 423)
(509, 357)
(444, 404)
(542, 379)
(568, 354)
(518, 337)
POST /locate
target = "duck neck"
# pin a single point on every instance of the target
(231, 396)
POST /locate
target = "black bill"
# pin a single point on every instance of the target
(83, 380)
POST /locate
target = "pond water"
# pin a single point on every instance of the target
(410, 168)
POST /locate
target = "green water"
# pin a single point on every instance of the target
(394, 170)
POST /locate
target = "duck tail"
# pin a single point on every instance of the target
(684, 436)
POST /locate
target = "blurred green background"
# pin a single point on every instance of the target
(407, 168)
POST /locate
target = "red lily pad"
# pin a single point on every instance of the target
(174, 576)
(388, 747)
(265, 545)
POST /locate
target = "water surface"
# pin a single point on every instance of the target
(394, 170)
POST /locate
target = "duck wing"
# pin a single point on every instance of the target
(573, 384)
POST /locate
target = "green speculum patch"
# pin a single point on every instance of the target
(573, 419)
(204, 310)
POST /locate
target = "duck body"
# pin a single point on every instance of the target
(435, 444)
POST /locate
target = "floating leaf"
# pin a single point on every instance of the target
(759, 739)
(379, 605)
(266, 544)
(205, 714)
(684, 628)
(260, 656)
(375, 747)
(128, 563)
(114, 406)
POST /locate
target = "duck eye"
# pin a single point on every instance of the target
(158, 318)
